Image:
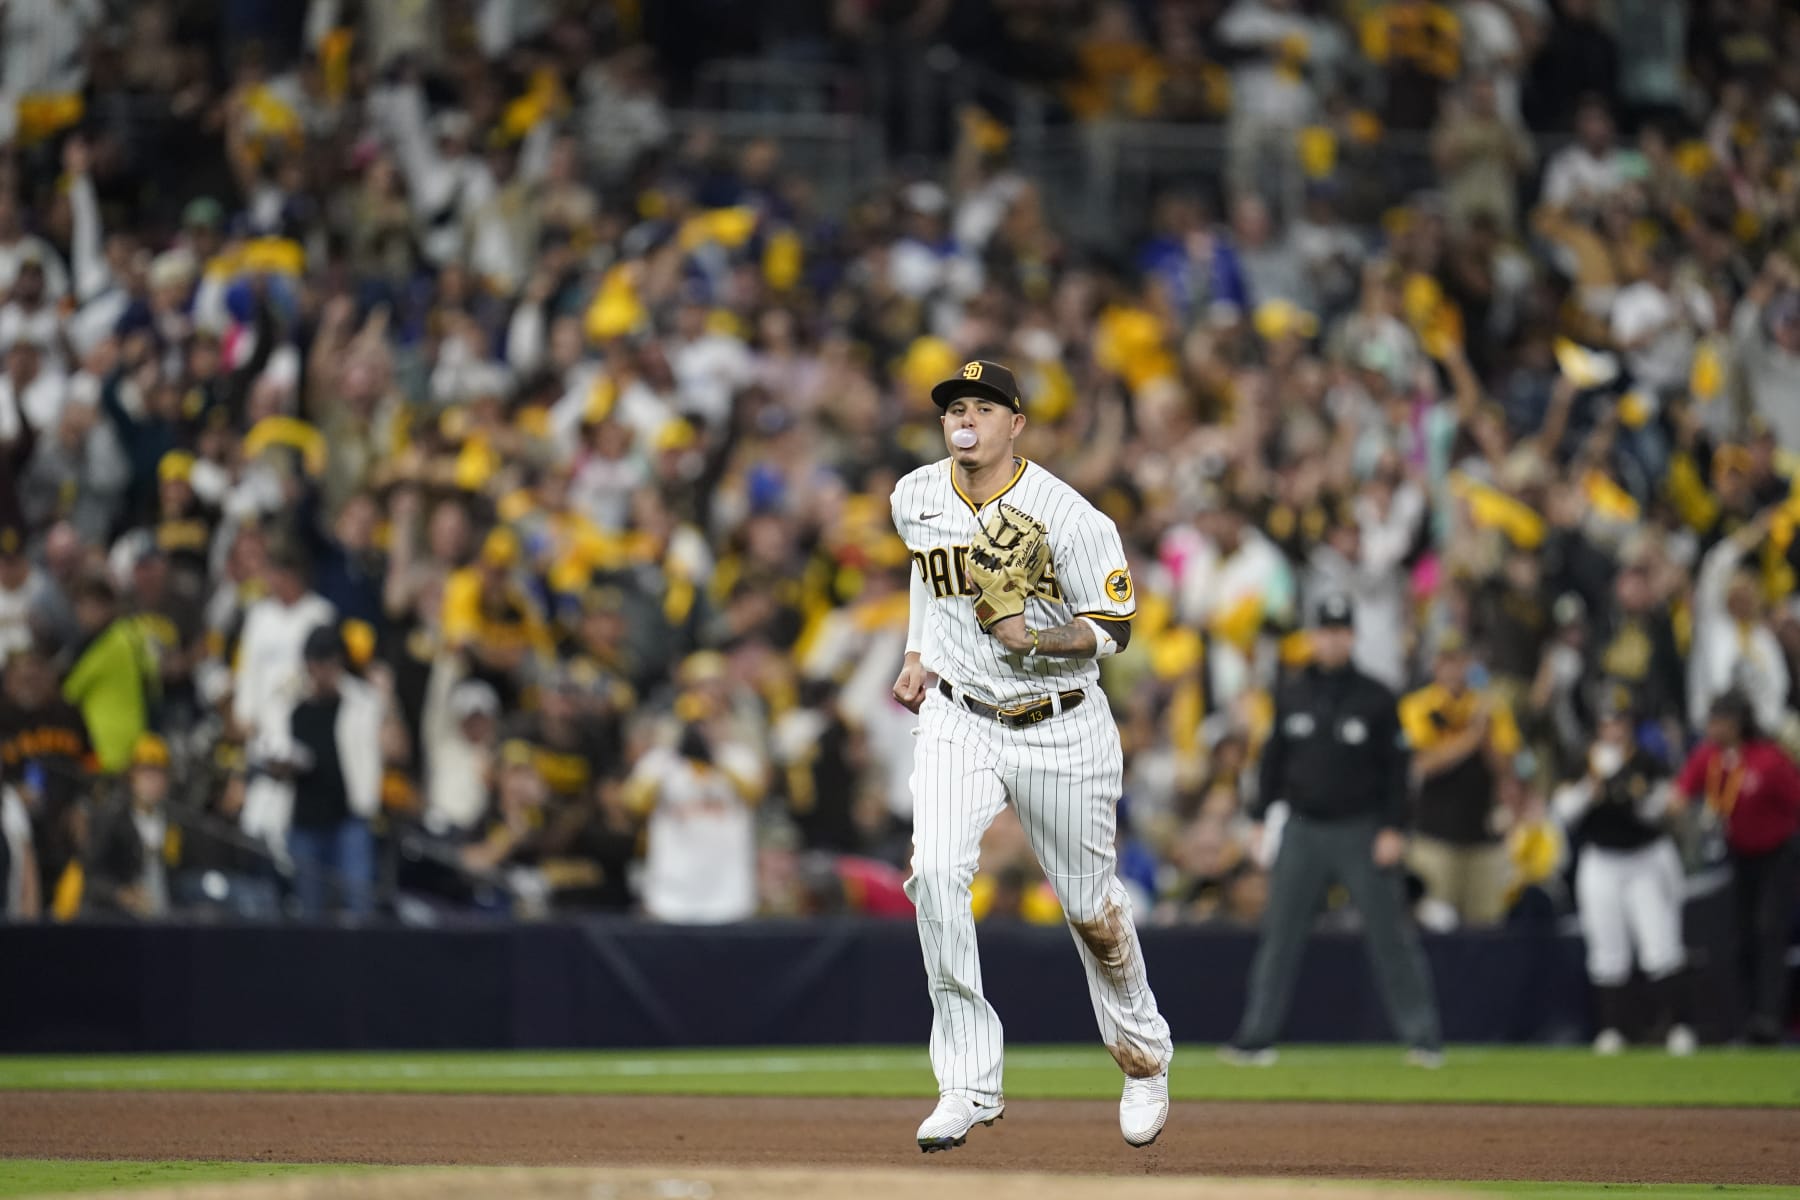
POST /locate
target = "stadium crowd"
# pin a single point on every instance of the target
(431, 474)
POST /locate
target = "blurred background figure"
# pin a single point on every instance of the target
(135, 846)
(1750, 790)
(335, 757)
(700, 864)
(1628, 882)
(1463, 739)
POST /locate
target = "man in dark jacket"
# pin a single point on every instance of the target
(134, 846)
(1337, 758)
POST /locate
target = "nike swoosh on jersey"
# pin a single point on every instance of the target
(925, 516)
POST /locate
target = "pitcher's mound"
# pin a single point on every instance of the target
(558, 1183)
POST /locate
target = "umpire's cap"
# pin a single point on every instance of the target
(983, 379)
(1335, 612)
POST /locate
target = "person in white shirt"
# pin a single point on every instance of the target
(1228, 577)
(1363, 558)
(30, 315)
(1583, 174)
(700, 866)
(1653, 323)
(1272, 41)
(26, 597)
(460, 719)
(1733, 647)
(30, 394)
(268, 682)
(17, 246)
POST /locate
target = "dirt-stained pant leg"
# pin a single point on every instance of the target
(1065, 777)
(956, 796)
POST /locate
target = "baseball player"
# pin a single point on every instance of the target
(1019, 587)
(1628, 881)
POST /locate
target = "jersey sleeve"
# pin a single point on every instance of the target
(1415, 720)
(1090, 566)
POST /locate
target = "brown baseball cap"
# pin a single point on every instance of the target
(982, 379)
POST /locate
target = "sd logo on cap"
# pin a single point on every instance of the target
(983, 380)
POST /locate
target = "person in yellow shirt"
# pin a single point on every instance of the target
(491, 617)
(1463, 739)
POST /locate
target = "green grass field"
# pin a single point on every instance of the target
(48, 1176)
(1473, 1075)
(1498, 1075)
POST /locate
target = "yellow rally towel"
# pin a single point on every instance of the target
(1317, 149)
(293, 433)
(43, 115)
(616, 309)
(1240, 621)
(1608, 497)
(1707, 377)
(65, 904)
(782, 260)
(1490, 508)
(1583, 367)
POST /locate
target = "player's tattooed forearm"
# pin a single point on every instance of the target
(1074, 640)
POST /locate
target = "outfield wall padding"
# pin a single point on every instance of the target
(626, 983)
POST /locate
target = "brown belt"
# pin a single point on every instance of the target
(1015, 718)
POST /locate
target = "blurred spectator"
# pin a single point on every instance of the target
(135, 847)
(1750, 790)
(19, 892)
(1734, 650)
(112, 675)
(335, 764)
(1272, 43)
(47, 757)
(268, 681)
(27, 598)
(79, 475)
(1463, 740)
(1583, 175)
(1578, 55)
(1628, 882)
(1766, 333)
(459, 738)
(1482, 156)
(700, 865)
(1418, 46)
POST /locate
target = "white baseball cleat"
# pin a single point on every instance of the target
(949, 1123)
(1682, 1041)
(1609, 1043)
(1144, 1108)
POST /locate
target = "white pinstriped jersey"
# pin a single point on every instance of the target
(1087, 577)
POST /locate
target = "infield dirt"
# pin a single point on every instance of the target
(1665, 1145)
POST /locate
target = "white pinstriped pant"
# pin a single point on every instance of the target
(1064, 777)
(1631, 900)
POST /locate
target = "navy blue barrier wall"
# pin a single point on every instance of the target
(625, 983)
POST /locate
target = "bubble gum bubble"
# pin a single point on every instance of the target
(962, 439)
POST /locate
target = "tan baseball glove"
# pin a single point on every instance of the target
(1007, 563)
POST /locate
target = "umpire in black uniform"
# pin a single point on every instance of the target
(1337, 756)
